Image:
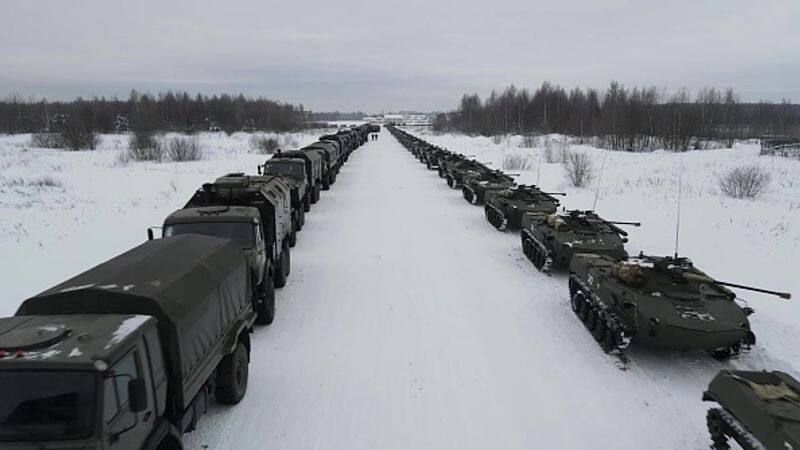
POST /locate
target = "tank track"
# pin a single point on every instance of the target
(599, 319)
(495, 217)
(536, 252)
(469, 194)
(722, 424)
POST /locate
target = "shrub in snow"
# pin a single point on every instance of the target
(77, 136)
(184, 149)
(497, 139)
(287, 141)
(549, 153)
(264, 144)
(145, 146)
(578, 167)
(744, 182)
(47, 140)
(517, 162)
(528, 141)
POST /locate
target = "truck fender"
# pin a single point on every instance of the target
(164, 437)
(241, 333)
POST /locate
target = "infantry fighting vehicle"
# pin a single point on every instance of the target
(456, 173)
(476, 186)
(314, 160)
(447, 161)
(758, 410)
(658, 301)
(552, 239)
(255, 212)
(293, 171)
(127, 354)
(505, 208)
(432, 157)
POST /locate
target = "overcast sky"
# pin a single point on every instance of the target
(422, 55)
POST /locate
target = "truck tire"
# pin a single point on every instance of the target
(265, 310)
(301, 220)
(287, 263)
(307, 202)
(281, 271)
(317, 189)
(292, 238)
(232, 375)
(326, 183)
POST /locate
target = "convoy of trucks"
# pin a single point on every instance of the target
(128, 354)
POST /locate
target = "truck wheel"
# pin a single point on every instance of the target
(317, 189)
(265, 310)
(232, 375)
(326, 183)
(280, 269)
(287, 262)
(292, 238)
(307, 202)
(302, 221)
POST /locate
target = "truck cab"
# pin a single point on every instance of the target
(293, 170)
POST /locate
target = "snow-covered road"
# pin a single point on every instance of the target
(410, 323)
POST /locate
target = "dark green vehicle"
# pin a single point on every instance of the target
(293, 171)
(314, 161)
(551, 239)
(455, 174)
(127, 354)
(331, 156)
(656, 301)
(505, 208)
(475, 187)
(758, 410)
(446, 162)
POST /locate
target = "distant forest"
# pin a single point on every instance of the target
(624, 119)
(169, 111)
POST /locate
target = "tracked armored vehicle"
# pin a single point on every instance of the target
(758, 410)
(476, 186)
(455, 174)
(448, 161)
(505, 208)
(656, 301)
(551, 239)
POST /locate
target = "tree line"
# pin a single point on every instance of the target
(624, 119)
(168, 111)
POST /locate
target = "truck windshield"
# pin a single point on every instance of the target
(240, 232)
(46, 404)
(280, 168)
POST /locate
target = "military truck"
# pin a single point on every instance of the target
(294, 172)
(551, 239)
(657, 301)
(255, 212)
(330, 153)
(127, 354)
(475, 186)
(314, 161)
(758, 410)
(341, 144)
(505, 208)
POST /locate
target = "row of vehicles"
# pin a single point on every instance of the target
(656, 301)
(128, 354)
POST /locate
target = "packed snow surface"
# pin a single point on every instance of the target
(408, 321)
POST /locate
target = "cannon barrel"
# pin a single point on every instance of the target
(705, 279)
(613, 225)
(563, 194)
(617, 222)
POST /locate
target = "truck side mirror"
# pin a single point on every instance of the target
(259, 169)
(137, 395)
(150, 236)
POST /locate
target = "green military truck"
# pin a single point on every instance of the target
(127, 354)
(293, 171)
(331, 155)
(314, 161)
(255, 212)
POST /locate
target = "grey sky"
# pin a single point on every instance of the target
(375, 56)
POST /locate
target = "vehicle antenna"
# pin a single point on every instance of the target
(538, 168)
(599, 180)
(678, 207)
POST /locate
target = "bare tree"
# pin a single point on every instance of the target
(744, 182)
(579, 168)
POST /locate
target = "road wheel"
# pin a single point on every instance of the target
(715, 427)
(609, 342)
(326, 183)
(265, 310)
(232, 375)
(307, 202)
(280, 270)
(538, 257)
(292, 239)
(287, 261)
(302, 221)
(599, 332)
(315, 193)
(576, 301)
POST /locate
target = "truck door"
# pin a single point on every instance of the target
(117, 415)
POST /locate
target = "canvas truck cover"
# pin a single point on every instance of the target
(197, 287)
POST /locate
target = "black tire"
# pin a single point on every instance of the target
(325, 184)
(576, 301)
(538, 257)
(265, 310)
(591, 317)
(307, 202)
(292, 239)
(315, 193)
(287, 262)
(302, 219)
(722, 354)
(232, 375)
(599, 331)
(583, 311)
(609, 342)
(280, 271)
(451, 182)
(715, 428)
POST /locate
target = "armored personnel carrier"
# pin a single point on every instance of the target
(475, 186)
(458, 172)
(660, 302)
(758, 410)
(505, 208)
(447, 161)
(552, 239)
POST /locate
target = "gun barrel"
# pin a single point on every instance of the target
(617, 222)
(692, 276)
(564, 194)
